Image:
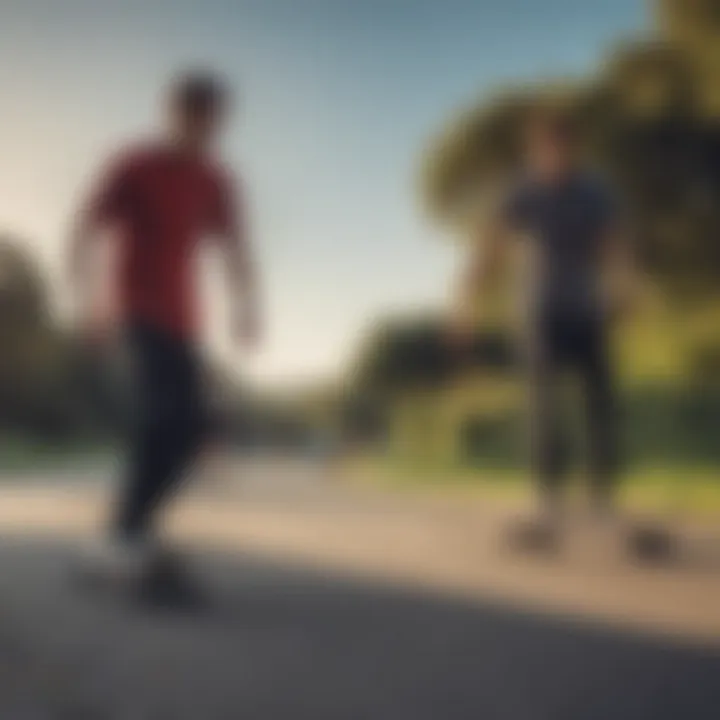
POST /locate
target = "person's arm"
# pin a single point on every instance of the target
(620, 270)
(84, 230)
(232, 227)
(487, 258)
(508, 211)
(104, 207)
(485, 263)
(620, 274)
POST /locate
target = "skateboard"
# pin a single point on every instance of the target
(166, 581)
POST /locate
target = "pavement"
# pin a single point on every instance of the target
(308, 613)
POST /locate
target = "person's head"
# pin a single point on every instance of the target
(198, 105)
(551, 143)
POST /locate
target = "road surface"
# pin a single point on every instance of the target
(292, 628)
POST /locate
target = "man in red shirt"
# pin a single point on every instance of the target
(161, 200)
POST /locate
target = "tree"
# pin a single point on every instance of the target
(44, 375)
(649, 118)
(403, 355)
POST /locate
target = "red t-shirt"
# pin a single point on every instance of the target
(163, 202)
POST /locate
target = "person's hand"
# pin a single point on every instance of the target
(619, 309)
(622, 303)
(96, 326)
(246, 330)
(460, 332)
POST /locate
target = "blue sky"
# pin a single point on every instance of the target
(338, 96)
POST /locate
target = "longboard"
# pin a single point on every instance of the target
(166, 582)
(645, 541)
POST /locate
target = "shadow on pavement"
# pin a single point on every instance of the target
(274, 641)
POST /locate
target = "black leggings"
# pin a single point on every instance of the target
(169, 424)
(578, 344)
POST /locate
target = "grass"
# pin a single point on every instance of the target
(18, 455)
(683, 490)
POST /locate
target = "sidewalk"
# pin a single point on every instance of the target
(447, 546)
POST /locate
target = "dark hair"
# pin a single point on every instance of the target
(199, 93)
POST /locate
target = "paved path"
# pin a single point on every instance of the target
(294, 511)
(345, 605)
(276, 642)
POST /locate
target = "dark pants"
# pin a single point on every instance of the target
(576, 343)
(169, 424)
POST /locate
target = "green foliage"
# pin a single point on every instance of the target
(50, 388)
(649, 118)
(35, 362)
(404, 355)
(661, 427)
(400, 355)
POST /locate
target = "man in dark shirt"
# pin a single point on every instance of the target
(568, 224)
(160, 200)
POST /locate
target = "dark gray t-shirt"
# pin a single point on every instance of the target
(565, 224)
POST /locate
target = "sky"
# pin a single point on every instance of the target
(338, 100)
